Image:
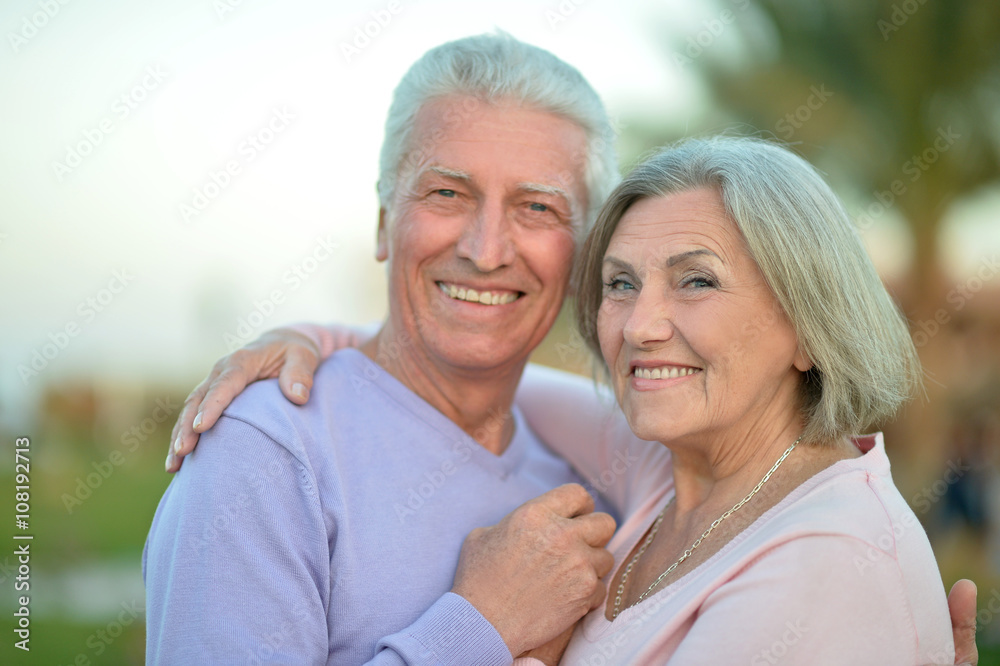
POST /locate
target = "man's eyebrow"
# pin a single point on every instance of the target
(544, 189)
(677, 258)
(457, 174)
(576, 208)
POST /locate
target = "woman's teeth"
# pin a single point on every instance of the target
(666, 372)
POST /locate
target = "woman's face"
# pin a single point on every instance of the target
(694, 338)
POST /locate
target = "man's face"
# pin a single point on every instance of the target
(480, 232)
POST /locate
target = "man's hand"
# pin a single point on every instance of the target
(962, 604)
(550, 653)
(283, 353)
(538, 571)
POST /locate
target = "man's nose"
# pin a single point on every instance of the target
(487, 239)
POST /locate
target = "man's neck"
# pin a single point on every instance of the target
(477, 401)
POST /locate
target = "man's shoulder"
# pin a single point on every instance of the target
(347, 388)
(263, 406)
(331, 376)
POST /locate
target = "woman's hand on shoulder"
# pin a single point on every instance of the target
(285, 353)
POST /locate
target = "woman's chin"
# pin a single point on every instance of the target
(652, 431)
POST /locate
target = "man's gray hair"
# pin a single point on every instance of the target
(796, 229)
(495, 68)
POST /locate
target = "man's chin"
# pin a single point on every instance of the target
(480, 352)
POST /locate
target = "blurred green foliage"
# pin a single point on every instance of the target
(108, 525)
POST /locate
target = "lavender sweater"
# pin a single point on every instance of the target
(330, 533)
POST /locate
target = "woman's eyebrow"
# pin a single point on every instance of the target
(677, 258)
(618, 263)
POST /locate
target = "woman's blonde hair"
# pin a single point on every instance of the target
(864, 362)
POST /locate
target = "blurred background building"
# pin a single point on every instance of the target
(177, 178)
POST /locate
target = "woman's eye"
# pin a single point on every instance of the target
(541, 208)
(699, 282)
(617, 284)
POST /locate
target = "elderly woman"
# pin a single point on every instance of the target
(744, 328)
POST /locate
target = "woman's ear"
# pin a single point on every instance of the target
(382, 239)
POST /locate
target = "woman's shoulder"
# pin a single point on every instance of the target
(853, 498)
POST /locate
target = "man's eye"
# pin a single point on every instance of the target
(541, 208)
(446, 193)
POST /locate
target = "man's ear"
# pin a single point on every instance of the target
(802, 362)
(382, 239)
(571, 286)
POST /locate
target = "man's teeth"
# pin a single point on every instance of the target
(473, 296)
(666, 372)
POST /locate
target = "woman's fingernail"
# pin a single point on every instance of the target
(197, 421)
(169, 462)
(177, 445)
(299, 390)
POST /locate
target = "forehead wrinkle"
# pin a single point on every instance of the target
(684, 256)
(650, 230)
(618, 263)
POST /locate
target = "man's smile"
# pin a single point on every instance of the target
(468, 294)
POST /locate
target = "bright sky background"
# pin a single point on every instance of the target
(221, 75)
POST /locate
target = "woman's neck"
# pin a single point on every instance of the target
(724, 471)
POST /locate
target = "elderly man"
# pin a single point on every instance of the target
(331, 533)
(355, 511)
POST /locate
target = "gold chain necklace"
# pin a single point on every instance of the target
(687, 553)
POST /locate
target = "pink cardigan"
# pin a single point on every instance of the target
(839, 572)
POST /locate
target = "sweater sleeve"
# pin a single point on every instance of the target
(824, 599)
(237, 569)
(236, 564)
(451, 633)
(584, 425)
